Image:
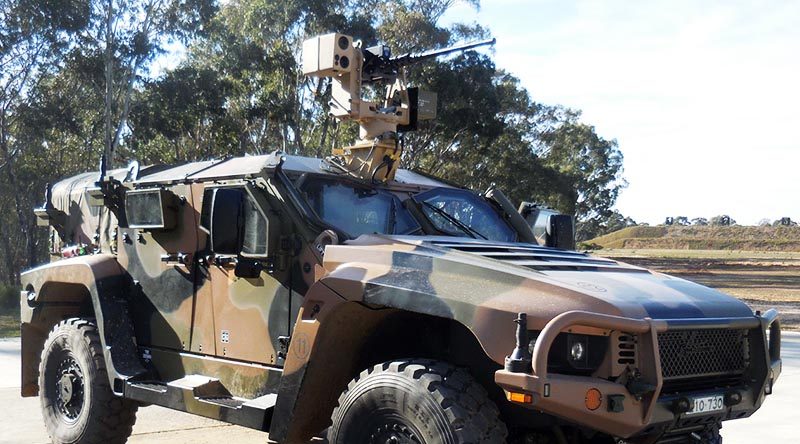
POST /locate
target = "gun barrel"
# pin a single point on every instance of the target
(409, 58)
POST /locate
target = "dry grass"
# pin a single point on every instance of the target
(9, 324)
(787, 257)
(765, 239)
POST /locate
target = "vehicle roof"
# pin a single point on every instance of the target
(244, 166)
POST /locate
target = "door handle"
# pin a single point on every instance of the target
(181, 258)
(225, 260)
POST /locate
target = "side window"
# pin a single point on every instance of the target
(254, 238)
(205, 214)
(226, 220)
(235, 222)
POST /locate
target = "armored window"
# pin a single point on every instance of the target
(463, 213)
(358, 210)
(235, 222)
(254, 238)
(150, 209)
(226, 221)
(205, 214)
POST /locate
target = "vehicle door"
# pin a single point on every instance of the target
(156, 249)
(243, 303)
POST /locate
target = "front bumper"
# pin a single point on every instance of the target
(623, 414)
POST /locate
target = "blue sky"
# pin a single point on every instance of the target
(702, 96)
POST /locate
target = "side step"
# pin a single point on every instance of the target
(201, 395)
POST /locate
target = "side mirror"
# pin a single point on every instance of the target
(517, 220)
(226, 221)
(561, 232)
(550, 228)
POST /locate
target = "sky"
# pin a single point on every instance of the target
(701, 96)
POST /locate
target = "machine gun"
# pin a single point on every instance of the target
(376, 155)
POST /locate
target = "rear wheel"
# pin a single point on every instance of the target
(415, 401)
(78, 405)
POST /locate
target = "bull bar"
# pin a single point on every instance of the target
(564, 395)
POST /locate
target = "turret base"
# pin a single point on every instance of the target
(372, 161)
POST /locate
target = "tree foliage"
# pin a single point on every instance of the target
(77, 79)
(723, 220)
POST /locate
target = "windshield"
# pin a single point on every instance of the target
(462, 213)
(358, 210)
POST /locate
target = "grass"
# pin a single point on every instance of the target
(9, 323)
(736, 237)
(617, 238)
(700, 254)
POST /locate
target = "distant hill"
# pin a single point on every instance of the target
(702, 238)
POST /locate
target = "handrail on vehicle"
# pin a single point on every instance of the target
(563, 321)
(587, 319)
(772, 325)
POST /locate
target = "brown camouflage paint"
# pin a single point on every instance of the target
(180, 310)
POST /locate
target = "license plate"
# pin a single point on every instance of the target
(707, 404)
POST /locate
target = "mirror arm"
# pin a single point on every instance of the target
(517, 221)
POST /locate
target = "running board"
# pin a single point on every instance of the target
(204, 396)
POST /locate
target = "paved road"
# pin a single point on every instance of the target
(20, 421)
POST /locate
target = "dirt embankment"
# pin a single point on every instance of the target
(703, 238)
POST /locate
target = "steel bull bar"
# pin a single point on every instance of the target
(619, 412)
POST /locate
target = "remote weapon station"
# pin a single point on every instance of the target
(376, 155)
(350, 298)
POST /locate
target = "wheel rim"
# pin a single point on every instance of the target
(392, 431)
(69, 389)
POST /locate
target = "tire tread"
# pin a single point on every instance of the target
(474, 418)
(113, 420)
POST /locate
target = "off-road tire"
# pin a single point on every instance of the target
(415, 401)
(86, 411)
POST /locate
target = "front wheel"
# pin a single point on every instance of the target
(78, 405)
(415, 401)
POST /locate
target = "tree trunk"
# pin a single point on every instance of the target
(126, 100)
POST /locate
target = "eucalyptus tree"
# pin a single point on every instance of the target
(66, 66)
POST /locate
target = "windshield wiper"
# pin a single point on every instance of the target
(450, 218)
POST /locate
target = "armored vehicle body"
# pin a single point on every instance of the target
(270, 292)
(304, 297)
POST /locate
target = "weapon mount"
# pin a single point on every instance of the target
(376, 155)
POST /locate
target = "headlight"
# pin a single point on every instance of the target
(573, 354)
(577, 352)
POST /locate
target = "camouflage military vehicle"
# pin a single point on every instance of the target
(352, 299)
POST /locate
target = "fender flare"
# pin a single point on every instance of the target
(335, 301)
(106, 283)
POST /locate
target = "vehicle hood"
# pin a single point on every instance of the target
(467, 276)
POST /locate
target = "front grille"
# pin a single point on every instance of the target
(702, 359)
